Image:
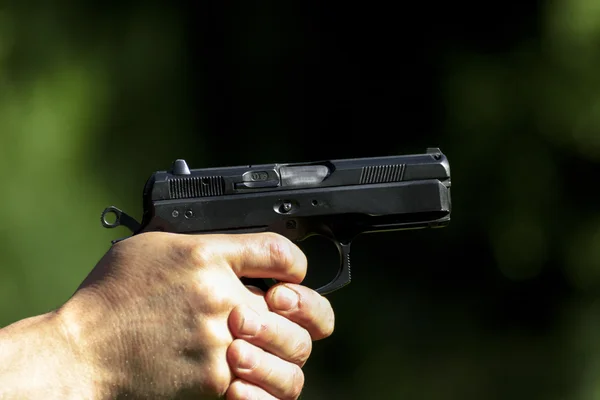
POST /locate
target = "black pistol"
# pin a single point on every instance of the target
(338, 199)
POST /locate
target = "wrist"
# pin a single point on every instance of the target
(37, 362)
(76, 332)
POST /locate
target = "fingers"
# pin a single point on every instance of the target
(271, 332)
(303, 306)
(242, 390)
(259, 255)
(280, 378)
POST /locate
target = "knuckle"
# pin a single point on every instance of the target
(197, 254)
(237, 356)
(301, 350)
(278, 250)
(271, 236)
(297, 383)
(329, 326)
(218, 378)
(214, 301)
(215, 333)
(328, 320)
(208, 292)
(236, 391)
(266, 335)
(232, 393)
(268, 374)
(269, 332)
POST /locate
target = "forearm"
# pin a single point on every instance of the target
(38, 362)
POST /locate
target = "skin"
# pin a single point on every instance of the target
(165, 316)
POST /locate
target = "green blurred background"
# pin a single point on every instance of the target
(502, 304)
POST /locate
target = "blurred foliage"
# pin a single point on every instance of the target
(503, 304)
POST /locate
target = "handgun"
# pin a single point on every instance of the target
(337, 199)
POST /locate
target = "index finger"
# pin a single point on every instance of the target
(261, 255)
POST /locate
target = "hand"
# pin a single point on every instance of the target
(152, 319)
(272, 346)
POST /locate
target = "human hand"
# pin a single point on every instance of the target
(271, 346)
(153, 319)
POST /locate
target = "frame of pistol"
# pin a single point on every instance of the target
(338, 199)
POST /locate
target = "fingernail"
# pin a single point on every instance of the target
(250, 322)
(285, 298)
(248, 358)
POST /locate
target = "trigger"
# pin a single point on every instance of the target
(343, 276)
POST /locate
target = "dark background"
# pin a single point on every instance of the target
(502, 304)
